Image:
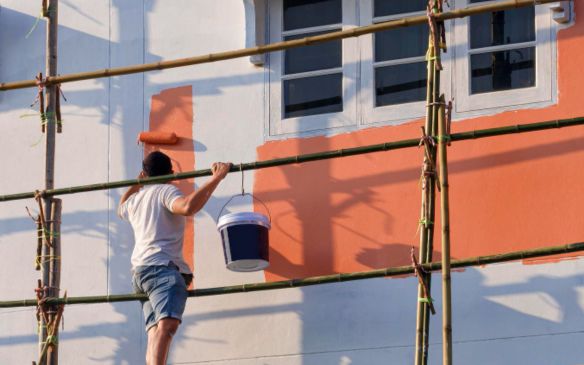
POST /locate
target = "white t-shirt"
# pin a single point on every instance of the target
(157, 231)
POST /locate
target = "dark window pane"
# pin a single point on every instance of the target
(392, 7)
(313, 95)
(400, 84)
(399, 43)
(310, 58)
(502, 27)
(311, 13)
(502, 70)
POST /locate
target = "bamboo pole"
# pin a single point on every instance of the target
(422, 315)
(428, 186)
(55, 280)
(326, 155)
(445, 220)
(49, 259)
(227, 55)
(317, 280)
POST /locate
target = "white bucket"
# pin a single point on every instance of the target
(245, 241)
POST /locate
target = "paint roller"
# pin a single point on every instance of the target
(158, 137)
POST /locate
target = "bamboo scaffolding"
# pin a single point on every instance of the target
(227, 55)
(445, 221)
(50, 268)
(316, 280)
(326, 155)
(426, 224)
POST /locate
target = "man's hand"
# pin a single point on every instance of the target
(220, 169)
(192, 203)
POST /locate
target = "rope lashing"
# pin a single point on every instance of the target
(429, 168)
(41, 313)
(40, 99)
(60, 95)
(47, 232)
(420, 274)
(426, 222)
(41, 259)
(437, 39)
(52, 339)
(427, 141)
(38, 195)
(39, 227)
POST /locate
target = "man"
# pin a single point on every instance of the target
(157, 215)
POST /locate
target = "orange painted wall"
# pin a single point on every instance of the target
(172, 111)
(358, 213)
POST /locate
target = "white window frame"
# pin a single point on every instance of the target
(279, 126)
(359, 109)
(507, 99)
(389, 114)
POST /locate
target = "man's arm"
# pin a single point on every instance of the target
(195, 201)
(131, 190)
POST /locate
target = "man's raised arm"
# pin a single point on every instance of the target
(195, 201)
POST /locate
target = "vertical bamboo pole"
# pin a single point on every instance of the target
(445, 219)
(55, 276)
(48, 253)
(427, 215)
(428, 196)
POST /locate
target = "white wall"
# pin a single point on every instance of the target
(503, 314)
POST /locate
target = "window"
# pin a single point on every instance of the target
(313, 87)
(503, 58)
(494, 60)
(393, 65)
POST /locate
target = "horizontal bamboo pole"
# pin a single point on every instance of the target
(388, 146)
(227, 55)
(316, 280)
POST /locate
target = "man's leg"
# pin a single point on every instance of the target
(150, 344)
(159, 338)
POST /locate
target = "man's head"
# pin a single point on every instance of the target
(156, 164)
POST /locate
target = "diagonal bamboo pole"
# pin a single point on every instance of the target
(445, 220)
(326, 155)
(316, 280)
(227, 55)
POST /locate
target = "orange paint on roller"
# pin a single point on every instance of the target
(158, 137)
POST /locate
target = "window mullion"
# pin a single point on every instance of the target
(312, 73)
(400, 61)
(504, 47)
(321, 28)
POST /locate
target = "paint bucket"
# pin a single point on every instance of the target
(245, 239)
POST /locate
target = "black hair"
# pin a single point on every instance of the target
(156, 164)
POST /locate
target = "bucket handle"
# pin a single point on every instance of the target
(254, 198)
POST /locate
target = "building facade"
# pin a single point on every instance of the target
(358, 213)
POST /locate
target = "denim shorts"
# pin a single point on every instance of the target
(166, 289)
